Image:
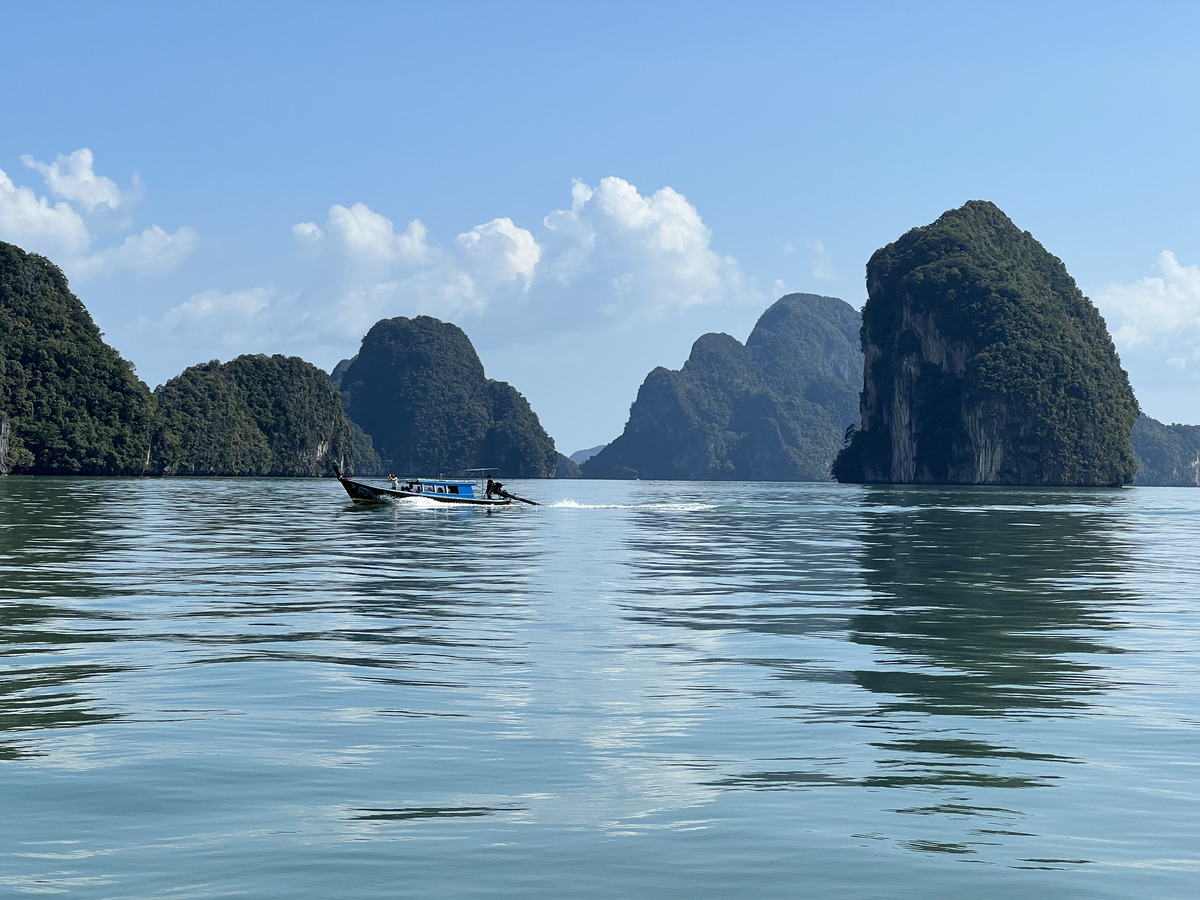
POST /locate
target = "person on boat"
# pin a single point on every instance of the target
(492, 487)
(395, 481)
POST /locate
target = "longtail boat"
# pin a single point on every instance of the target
(465, 491)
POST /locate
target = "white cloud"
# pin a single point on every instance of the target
(368, 236)
(65, 231)
(1155, 323)
(71, 177)
(153, 252)
(635, 257)
(308, 232)
(230, 319)
(1162, 311)
(33, 223)
(499, 252)
(614, 255)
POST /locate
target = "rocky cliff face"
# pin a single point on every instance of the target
(984, 364)
(5, 436)
(774, 408)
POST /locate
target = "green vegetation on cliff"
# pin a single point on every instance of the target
(255, 415)
(985, 364)
(1167, 455)
(418, 389)
(775, 408)
(73, 405)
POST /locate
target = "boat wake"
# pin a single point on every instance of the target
(662, 507)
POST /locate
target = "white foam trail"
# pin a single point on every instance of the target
(665, 507)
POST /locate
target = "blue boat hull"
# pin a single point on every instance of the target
(361, 492)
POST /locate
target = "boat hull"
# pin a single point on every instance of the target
(361, 492)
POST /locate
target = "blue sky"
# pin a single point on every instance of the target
(586, 188)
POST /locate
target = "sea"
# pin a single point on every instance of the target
(253, 688)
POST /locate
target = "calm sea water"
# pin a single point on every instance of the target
(218, 688)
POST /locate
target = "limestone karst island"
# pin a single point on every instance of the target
(976, 360)
(984, 364)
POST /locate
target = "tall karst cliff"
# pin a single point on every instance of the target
(418, 389)
(773, 409)
(69, 404)
(984, 364)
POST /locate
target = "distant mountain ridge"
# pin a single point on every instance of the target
(774, 408)
(579, 457)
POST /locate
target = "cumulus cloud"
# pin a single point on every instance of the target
(31, 221)
(499, 252)
(66, 230)
(615, 255)
(308, 232)
(367, 236)
(1161, 311)
(72, 178)
(637, 257)
(231, 319)
(152, 252)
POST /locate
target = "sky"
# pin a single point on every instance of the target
(586, 188)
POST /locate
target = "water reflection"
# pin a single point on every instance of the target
(982, 604)
(964, 605)
(988, 603)
(50, 531)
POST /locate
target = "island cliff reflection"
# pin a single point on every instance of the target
(988, 602)
(969, 606)
(51, 531)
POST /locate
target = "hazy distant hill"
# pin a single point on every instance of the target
(985, 365)
(579, 457)
(1166, 454)
(255, 415)
(775, 408)
(418, 389)
(71, 403)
